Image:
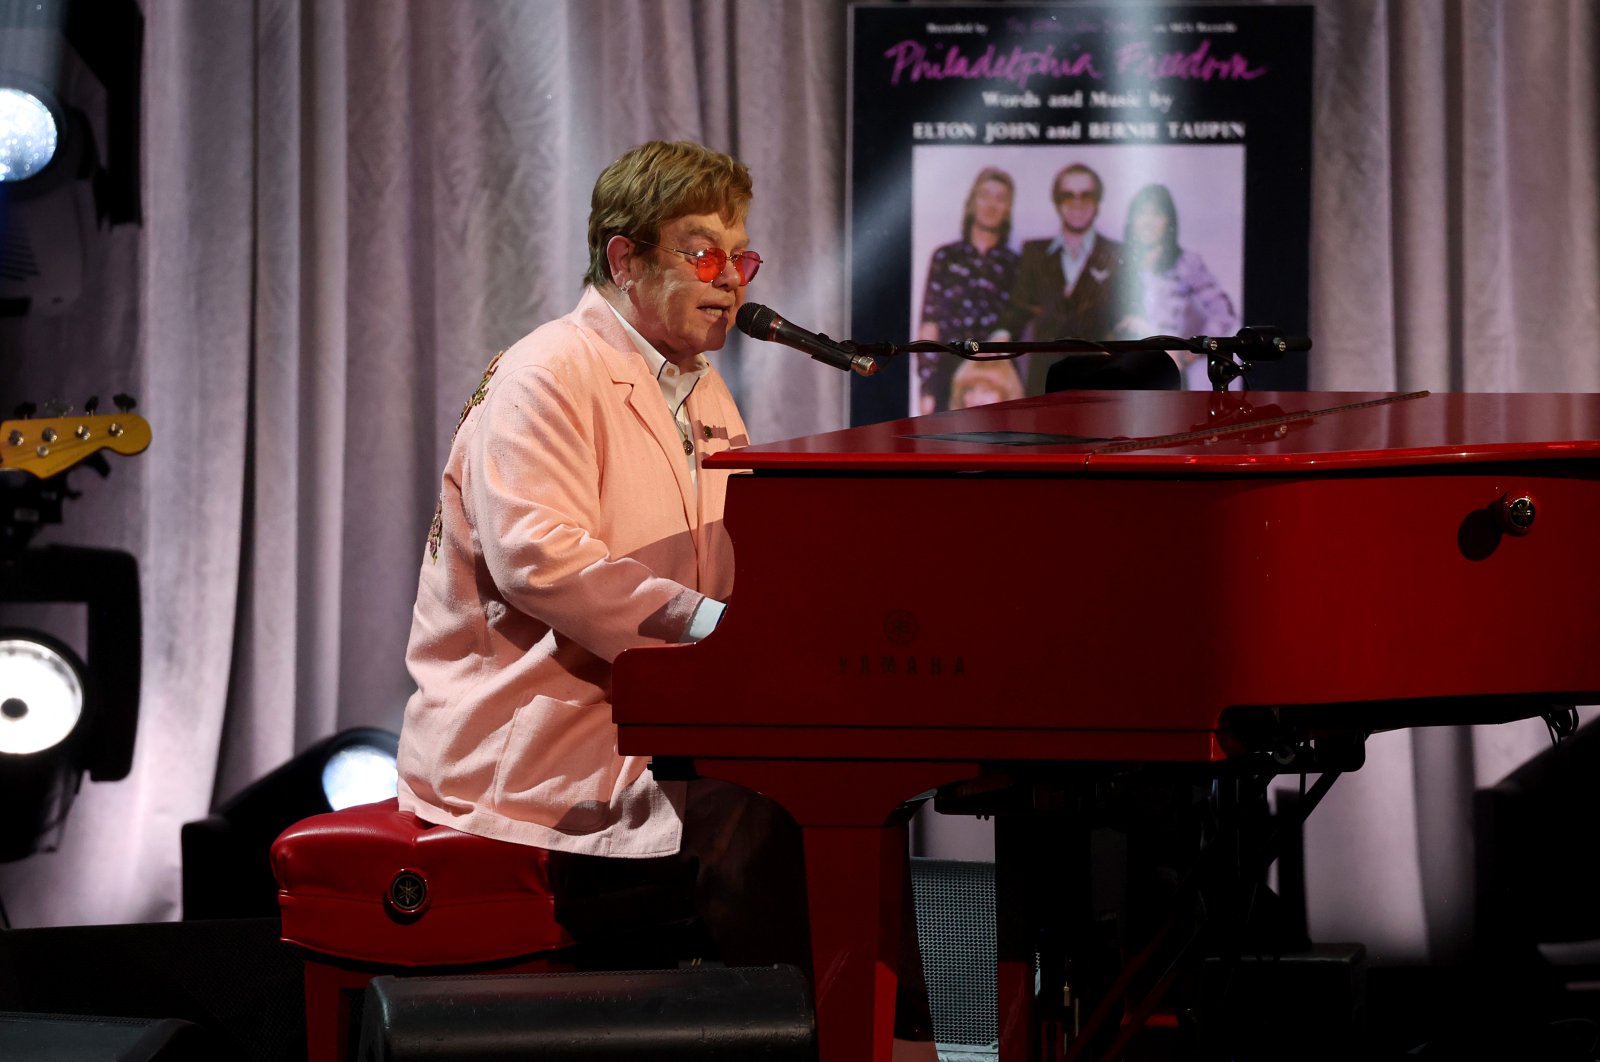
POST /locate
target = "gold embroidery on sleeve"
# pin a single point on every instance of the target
(436, 528)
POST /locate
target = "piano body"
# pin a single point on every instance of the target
(1114, 577)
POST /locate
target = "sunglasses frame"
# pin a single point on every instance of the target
(709, 262)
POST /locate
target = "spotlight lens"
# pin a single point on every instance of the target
(40, 697)
(359, 774)
(27, 135)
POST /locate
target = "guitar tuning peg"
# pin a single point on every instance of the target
(91, 404)
(124, 402)
(57, 408)
(26, 410)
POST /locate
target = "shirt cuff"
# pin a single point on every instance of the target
(705, 619)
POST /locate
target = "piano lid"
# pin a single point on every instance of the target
(1166, 432)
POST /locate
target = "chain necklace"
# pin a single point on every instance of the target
(683, 431)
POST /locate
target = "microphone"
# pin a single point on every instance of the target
(760, 322)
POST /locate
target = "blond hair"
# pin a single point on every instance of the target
(654, 183)
(998, 376)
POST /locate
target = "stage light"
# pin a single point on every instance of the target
(70, 77)
(41, 695)
(41, 707)
(29, 134)
(62, 716)
(227, 871)
(359, 773)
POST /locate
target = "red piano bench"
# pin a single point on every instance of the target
(373, 890)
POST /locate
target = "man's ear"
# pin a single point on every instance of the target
(619, 259)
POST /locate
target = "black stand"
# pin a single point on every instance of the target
(1117, 363)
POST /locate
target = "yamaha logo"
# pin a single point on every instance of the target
(900, 628)
(408, 892)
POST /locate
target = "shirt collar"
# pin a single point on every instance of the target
(1057, 246)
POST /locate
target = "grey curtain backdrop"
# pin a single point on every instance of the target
(351, 204)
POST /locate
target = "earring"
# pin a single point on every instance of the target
(625, 287)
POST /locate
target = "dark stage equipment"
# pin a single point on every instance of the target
(62, 716)
(226, 868)
(77, 1038)
(700, 1013)
(69, 141)
(1536, 860)
(230, 989)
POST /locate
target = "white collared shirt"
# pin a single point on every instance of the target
(676, 386)
(1072, 265)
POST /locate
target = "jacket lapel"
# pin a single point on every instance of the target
(638, 390)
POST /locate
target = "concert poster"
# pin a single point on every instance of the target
(982, 137)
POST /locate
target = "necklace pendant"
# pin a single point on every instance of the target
(688, 448)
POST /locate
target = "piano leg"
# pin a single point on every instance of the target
(854, 878)
(856, 861)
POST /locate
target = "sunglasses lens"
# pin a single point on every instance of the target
(709, 263)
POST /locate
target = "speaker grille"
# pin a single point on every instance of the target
(955, 928)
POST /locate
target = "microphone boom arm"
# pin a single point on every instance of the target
(1228, 357)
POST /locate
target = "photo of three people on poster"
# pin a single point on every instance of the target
(1075, 283)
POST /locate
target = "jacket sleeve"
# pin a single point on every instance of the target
(1212, 306)
(531, 493)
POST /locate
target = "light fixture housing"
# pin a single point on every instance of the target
(74, 68)
(227, 872)
(41, 717)
(62, 716)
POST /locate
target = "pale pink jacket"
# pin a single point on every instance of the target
(568, 531)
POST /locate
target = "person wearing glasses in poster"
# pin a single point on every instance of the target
(1072, 285)
(576, 521)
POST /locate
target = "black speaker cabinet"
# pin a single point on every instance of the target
(233, 979)
(79, 1038)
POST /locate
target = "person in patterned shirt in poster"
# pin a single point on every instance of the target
(1178, 294)
(969, 282)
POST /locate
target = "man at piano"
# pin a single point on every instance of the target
(575, 521)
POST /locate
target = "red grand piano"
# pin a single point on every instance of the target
(1115, 577)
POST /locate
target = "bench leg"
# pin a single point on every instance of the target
(330, 995)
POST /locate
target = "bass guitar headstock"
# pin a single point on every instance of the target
(46, 446)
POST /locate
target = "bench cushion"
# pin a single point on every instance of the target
(375, 884)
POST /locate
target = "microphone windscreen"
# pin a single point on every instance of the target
(755, 320)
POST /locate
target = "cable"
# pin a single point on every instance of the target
(1562, 723)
